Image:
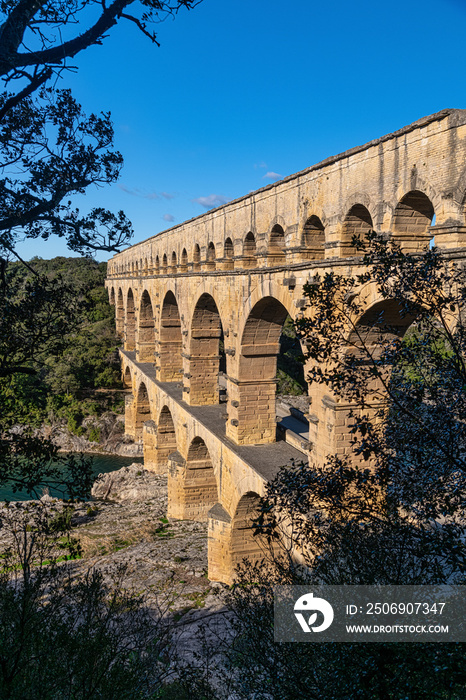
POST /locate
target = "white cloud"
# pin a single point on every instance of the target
(168, 217)
(270, 175)
(211, 201)
(167, 195)
(260, 165)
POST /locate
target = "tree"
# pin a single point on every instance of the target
(67, 636)
(49, 149)
(49, 152)
(398, 362)
(390, 512)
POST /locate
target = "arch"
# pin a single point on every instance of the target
(130, 322)
(166, 436)
(412, 219)
(228, 253)
(184, 261)
(210, 258)
(112, 297)
(164, 264)
(142, 413)
(263, 326)
(243, 543)
(196, 257)
(228, 249)
(157, 265)
(200, 491)
(146, 330)
(170, 341)
(276, 247)
(127, 378)
(120, 314)
(358, 222)
(204, 347)
(252, 399)
(313, 239)
(383, 323)
(173, 263)
(249, 251)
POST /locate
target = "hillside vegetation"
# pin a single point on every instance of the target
(84, 380)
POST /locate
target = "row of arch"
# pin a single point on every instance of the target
(194, 490)
(262, 328)
(412, 219)
(199, 354)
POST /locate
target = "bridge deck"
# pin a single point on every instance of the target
(265, 460)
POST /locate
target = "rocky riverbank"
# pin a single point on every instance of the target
(125, 526)
(108, 432)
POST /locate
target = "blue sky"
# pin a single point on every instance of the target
(242, 93)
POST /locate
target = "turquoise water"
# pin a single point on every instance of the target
(102, 464)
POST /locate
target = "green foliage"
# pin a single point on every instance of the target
(58, 388)
(392, 511)
(63, 636)
(94, 434)
(290, 368)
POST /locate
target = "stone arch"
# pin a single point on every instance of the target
(130, 322)
(205, 334)
(210, 257)
(120, 314)
(196, 257)
(127, 378)
(166, 436)
(412, 219)
(249, 251)
(146, 330)
(173, 263)
(270, 289)
(382, 320)
(170, 341)
(276, 247)
(313, 239)
(381, 317)
(142, 412)
(228, 253)
(157, 265)
(357, 222)
(164, 264)
(111, 297)
(193, 488)
(184, 261)
(243, 543)
(252, 406)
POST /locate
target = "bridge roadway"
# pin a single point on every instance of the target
(209, 476)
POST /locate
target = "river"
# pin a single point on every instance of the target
(101, 465)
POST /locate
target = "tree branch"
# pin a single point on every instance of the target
(35, 83)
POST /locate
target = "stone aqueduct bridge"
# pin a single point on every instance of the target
(240, 270)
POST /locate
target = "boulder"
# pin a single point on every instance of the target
(133, 483)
